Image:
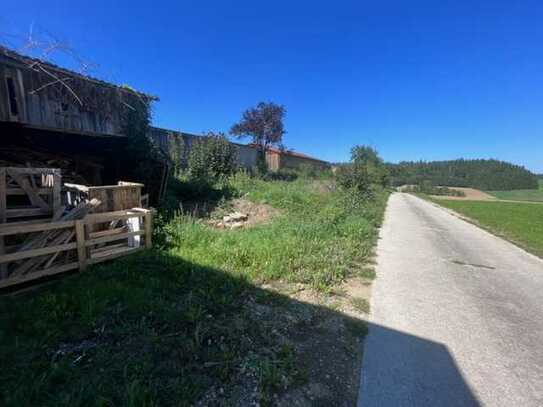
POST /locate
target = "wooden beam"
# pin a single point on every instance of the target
(24, 183)
(31, 171)
(81, 249)
(22, 212)
(148, 230)
(57, 185)
(109, 216)
(11, 229)
(108, 232)
(3, 218)
(20, 191)
(100, 257)
(6, 258)
(38, 274)
(3, 193)
(106, 239)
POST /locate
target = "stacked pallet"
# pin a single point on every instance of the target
(58, 238)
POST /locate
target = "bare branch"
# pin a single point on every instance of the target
(62, 82)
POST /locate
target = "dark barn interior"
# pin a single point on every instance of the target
(51, 117)
(83, 159)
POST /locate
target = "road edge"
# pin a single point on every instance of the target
(477, 224)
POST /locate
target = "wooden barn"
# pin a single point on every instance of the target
(277, 159)
(51, 117)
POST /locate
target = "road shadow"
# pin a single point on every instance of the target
(400, 369)
(155, 329)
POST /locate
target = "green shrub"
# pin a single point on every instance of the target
(364, 173)
(212, 158)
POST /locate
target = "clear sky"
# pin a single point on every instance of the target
(415, 79)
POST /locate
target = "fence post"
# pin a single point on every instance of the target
(81, 249)
(3, 218)
(148, 229)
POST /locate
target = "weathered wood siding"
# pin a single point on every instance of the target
(287, 161)
(33, 98)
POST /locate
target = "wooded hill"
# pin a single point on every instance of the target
(490, 175)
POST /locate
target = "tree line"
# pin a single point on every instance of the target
(490, 175)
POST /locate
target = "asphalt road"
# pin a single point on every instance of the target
(456, 315)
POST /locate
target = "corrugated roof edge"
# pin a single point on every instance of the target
(9, 53)
(295, 154)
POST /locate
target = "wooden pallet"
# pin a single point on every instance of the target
(72, 245)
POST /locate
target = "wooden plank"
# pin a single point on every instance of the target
(22, 212)
(142, 210)
(38, 274)
(25, 222)
(81, 249)
(20, 191)
(108, 232)
(94, 252)
(115, 254)
(106, 239)
(110, 250)
(77, 187)
(6, 258)
(24, 183)
(31, 171)
(93, 131)
(125, 185)
(129, 184)
(108, 216)
(57, 184)
(67, 238)
(3, 218)
(148, 230)
(3, 192)
(11, 229)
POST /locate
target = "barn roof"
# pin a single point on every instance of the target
(294, 154)
(30, 62)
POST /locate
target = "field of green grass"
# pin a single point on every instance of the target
(535, 195)
(177, 324)
(521, 223)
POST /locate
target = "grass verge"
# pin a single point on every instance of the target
(196, 320)
(521, 223)
(533, 195)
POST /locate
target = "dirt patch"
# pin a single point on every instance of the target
(257, 213)
(323, 186)
(471, 194)
(242, 213)
(326, 330)
(324, 333)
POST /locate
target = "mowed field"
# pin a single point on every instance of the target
(521, 223)
(534, 195)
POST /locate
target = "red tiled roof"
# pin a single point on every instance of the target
(292, 153)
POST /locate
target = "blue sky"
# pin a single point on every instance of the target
(415, 79)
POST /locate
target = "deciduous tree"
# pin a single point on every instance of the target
(264, 124)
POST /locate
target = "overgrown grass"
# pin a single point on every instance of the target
(535, 195)
(519, 222)
(318, 239)
(167, 326)
(151, 329)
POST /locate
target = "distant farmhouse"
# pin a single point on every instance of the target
(287, 159)
(247, 154)
(54, 117)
